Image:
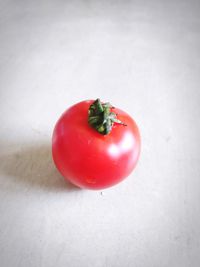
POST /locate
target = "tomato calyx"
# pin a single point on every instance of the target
(101, 117)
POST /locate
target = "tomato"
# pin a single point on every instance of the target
(94, 145)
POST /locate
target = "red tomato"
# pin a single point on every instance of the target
(90, 159)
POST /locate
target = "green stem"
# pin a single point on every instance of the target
(101, 117)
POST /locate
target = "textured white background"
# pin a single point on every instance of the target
(142, 56)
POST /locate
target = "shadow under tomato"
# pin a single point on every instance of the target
(33, 166)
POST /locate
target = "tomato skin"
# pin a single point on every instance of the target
(89, 159)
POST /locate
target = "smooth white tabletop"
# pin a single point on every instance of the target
(143, 57)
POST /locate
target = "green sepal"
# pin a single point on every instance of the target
(101, 117)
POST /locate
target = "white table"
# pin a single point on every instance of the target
(142, 56)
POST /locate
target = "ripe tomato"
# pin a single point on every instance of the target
(94, 145)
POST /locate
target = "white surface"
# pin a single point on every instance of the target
(142, 56)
